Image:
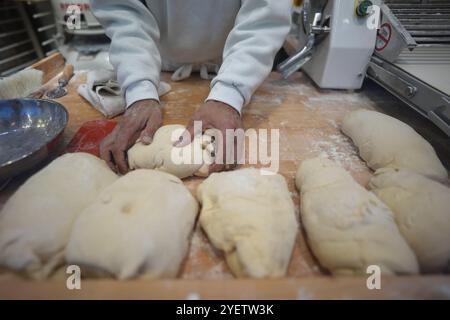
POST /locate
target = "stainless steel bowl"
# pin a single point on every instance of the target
(29, 131)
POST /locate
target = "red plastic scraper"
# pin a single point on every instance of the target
(88, 137)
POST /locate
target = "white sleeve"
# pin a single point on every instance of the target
(134, 34)
(259, 32)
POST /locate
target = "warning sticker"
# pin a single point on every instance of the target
(383, 37)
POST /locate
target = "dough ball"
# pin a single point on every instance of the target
(139, 225)
(36, 221)
(422, 211)
(251, 217)
(349, 228)
(384, 141)
(190, 160)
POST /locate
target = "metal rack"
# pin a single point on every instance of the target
(427, 22)
(43, 22)
(18, 47)
(27, 34)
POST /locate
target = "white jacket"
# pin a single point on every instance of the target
(241, 35)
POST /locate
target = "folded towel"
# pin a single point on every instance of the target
(207, 71)
(103, 92)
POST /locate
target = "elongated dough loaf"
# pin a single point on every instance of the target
(384, 141)
(139, 225)
(36, 221)
(422, 211)
(251, 218)
(348, 227)
(160, 154)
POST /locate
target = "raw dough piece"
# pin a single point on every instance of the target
(422, 211)
(36, 221)
(140, 225)
(348, 227)
(384, 141)
(251, 218)
(158, 155)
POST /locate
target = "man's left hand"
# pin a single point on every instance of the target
(220, 116)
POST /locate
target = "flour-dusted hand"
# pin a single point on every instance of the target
(141, 120)
(221, 118)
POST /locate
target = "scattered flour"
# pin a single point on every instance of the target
(200, 245)
(274, 100)
(303, 294)
(340, 149)
(193, 296)
(182, 90)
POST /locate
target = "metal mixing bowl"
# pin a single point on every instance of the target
(29, 131)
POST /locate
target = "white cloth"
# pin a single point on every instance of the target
(186, 34)
(104, 94)
(205, 70)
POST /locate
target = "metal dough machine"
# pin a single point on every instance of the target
(403, 45)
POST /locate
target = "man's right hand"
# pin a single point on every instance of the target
(141, 120)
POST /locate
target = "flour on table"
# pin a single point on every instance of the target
(339, 149)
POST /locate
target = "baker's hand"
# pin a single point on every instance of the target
(141, 120)
(220, 116)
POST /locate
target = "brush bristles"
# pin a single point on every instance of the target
(21, 84)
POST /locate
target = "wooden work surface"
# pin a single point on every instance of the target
(309, 120)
